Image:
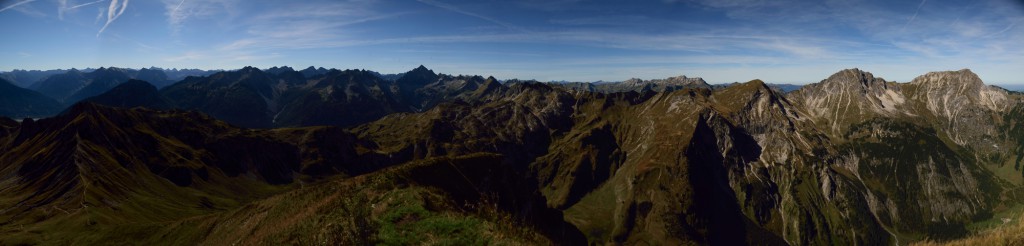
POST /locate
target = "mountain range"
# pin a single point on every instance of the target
(160, 77)
(281, 156)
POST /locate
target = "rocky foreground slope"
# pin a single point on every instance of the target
(853, 159)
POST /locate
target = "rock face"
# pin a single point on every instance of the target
(964, 106)
(849, 96)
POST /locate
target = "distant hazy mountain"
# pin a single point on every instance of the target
(155, 77)
(785, 88)
(311, 72)
(61, 86)
(340, 98)
(389, 77)
(17, 102)
(25, 78)
(1017, 88)
(244, 97)
(638, 85)
(281, 96)
(175, 74)
(64, 84)
(101, 80)
(75, 85)
(278, 70)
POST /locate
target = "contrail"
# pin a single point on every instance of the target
(482, 17)
(85, 4)
(915, 15)
(63, 7)
(113, 12)
(16, 5)
(178, 7)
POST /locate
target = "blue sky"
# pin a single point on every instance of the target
(577, 40)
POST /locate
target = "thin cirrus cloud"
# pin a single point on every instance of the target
(456, 9)
(178, 12)
(307, 26)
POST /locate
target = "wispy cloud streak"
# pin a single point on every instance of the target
(178, 12)
(114, 11)
(86, 4)
(62, 7)
(16, 5)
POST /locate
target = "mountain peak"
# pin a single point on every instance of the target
(948, 91)
(855, 79)
(311, 71)
(758, 83)
(421, 69)
(134, 93)
(249, 69)
(752, 86)
(963, 78)
(417, 77)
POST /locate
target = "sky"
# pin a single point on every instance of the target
(574, 40)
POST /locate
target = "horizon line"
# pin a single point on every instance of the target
(1021, 83)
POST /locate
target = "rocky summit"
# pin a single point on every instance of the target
(321, 156)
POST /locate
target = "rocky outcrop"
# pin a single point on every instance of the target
(966, 108)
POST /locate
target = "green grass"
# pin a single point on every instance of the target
(1008, 234)
(1013, 213)
(406, 221)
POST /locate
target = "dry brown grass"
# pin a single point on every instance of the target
(1009, 234)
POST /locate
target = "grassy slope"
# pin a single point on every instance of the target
(386, 207)
(1011, 233)
(392, 207)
